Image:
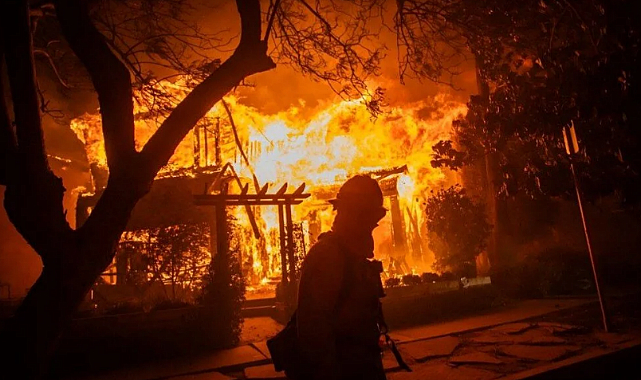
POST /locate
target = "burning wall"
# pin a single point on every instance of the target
(338, 140)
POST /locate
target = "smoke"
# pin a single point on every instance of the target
(284, 87)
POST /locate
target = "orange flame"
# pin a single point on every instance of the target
(339, 140)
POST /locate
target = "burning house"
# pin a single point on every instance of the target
(244, 160)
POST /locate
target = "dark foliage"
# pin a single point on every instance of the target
(124, 308)
(546, 65)
(446, 155)
(411, 279)
(179, 254)
(223, 296)
(448, 276)
(458, 229)
(553, 272)
(392, 282)
(171, 304)
(430, 308)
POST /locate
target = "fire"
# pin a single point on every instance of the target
(340, 139)
(88, 129)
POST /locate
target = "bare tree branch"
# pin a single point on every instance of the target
(110, 78)
(333, 41)
(152, 34)
(239, 145)
(18, 47)
(53, 66)
(250, 57)
(270, 24)
(431, 38)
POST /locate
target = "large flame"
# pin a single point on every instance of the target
(88, 128)
(338, 140)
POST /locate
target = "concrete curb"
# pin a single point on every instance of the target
(490, 326)
(612, 364)
(225, 369)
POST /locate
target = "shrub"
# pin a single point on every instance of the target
(392, 282)
(458, 230)
(411, 279)
(429, 277)
(170, 304)
(223, 296)
(125, 307)
(553, 272)
(178, 253)
(447, 276)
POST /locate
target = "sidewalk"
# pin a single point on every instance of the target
(515, 312)
(518, 351)
(418, 344)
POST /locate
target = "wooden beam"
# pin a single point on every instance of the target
(271, 197)
(213, 231)
(263, 190)
(222, 246)
(283, 255)
(250, 202)
(282, 189)
(389, 186)
(219, 177)
(398, 228)
(300, 189)
(291, 254)
(383, 173)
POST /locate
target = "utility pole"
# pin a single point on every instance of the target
(572, 148)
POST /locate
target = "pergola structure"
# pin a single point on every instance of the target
(280, 198)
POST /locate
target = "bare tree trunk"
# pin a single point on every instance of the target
(488, 166)
(496, 206)
(74, 259)
(42, 316)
